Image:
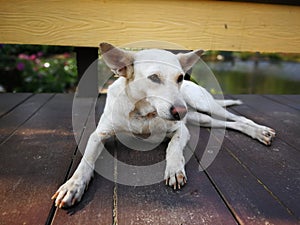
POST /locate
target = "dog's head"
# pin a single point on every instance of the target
(153, 75)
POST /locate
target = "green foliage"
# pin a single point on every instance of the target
(37, 68)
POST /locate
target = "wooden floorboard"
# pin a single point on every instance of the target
(247, 183)
(20, 114)
(10, 101)
(292, 101)
(33, 163)
(96, 206)
(245, 195)
(277, 166)
(196, 203)
(284, 119)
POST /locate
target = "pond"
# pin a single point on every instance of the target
(250, 77)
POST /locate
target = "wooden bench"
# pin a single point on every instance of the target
(211, 25)
(247, 184)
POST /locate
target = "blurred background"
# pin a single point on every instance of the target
(35, 68)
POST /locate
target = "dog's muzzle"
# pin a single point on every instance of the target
(178, 112)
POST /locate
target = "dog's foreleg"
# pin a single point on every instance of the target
(175, 175)
(71, 191)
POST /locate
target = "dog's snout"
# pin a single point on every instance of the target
(178, 111)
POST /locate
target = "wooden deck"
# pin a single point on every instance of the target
(247, 183)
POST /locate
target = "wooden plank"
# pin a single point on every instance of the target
(283, 2)
(97, 203)
(278, 168)
(196, 203)
(276, 171)
(9, 101)
(246, 196)
(19, 115)
(292, 101)
(34, 161)
(211, 25)
(282, 118)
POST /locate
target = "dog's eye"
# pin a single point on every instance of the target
(155, 78)
(180, 79)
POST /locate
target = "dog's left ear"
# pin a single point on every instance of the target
(118, 60)
(187, 60)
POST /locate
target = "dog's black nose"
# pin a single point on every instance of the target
(178, 111)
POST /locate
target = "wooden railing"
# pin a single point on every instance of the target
(211, 25)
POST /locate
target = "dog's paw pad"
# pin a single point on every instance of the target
(69, 193)
(177, 180)
(266, 135)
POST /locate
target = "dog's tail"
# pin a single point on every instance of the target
(228, 102)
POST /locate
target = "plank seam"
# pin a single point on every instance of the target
(29, 117)
(215, 187)
(21, 102)
(274, 100)
(115, 190)
(260, 182)
(274, 196)
(54, 209)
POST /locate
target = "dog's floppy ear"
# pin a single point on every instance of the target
(118, 60)
(187, 60)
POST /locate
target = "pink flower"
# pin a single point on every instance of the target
(32, 57)
(37, 61)
(23, 56)
(67, 55)
(20, 66)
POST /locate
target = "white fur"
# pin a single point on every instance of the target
(136, 104)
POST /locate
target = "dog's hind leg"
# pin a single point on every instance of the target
(261, 133)
(202, 101)
(71, 191)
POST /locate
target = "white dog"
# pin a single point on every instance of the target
(150, 97)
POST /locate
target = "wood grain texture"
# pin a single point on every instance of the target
(212, 25)
(278, 163)
(19, 115)
(34, 162)
(196, 203)
(10, 101)
(244, 193)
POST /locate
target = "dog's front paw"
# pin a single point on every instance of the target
(265, 135)
(70, 192)
(175, 174)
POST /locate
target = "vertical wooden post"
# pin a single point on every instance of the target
(86, 57)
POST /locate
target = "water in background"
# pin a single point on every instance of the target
(252, 77)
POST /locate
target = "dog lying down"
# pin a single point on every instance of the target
(151, 89)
